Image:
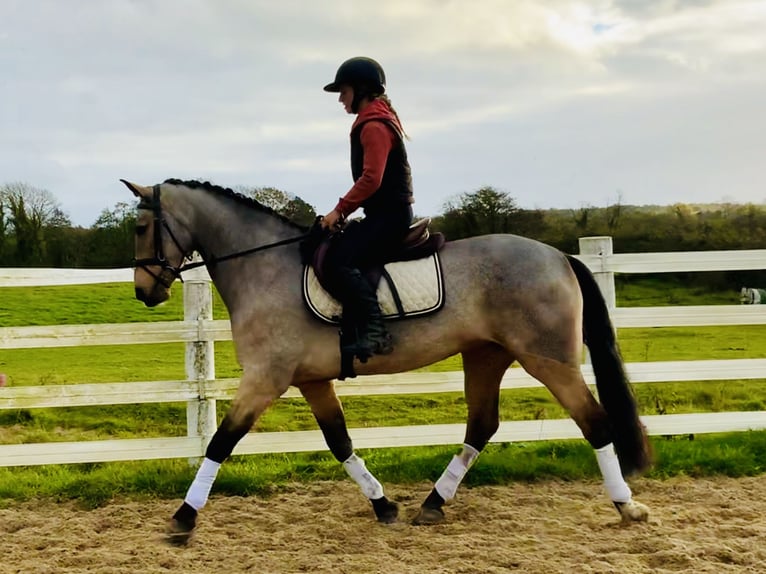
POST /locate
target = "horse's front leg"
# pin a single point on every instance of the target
(328, 412)
(253, 396)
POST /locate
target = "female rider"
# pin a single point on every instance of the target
(382, 188)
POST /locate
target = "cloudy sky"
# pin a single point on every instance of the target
(559, 103)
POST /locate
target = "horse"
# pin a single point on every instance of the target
(507, 299)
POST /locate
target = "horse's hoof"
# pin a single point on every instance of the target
(386, 511)
(428, 516)
(182, 525)
(633, 511)
(179, 533)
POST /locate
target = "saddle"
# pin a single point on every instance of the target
(419, 243)
(407, 280)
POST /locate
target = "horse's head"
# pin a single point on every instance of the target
(162, 244)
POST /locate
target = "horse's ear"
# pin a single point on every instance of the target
(138, 190)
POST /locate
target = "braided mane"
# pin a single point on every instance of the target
(230, 193)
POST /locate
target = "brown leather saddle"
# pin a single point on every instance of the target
(417, 244)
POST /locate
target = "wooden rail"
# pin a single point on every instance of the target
(200, 390)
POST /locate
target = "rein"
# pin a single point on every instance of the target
(214, 260)
(170, 272)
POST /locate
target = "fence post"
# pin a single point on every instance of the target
(200, 355)
(601, 246)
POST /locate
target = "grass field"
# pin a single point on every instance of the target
(740, 454)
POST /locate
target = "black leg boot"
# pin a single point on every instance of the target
(379, 339)
(350, 336)
(360, 301)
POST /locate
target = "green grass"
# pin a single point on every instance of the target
(82, 304)
(734, 454)
(115, 302)
(165, 361)
(657, 290)
(731, 454)
(168, 419)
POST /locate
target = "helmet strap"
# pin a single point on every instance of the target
(360, 93)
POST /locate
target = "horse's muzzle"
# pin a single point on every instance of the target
(152, 299)
(141, 296)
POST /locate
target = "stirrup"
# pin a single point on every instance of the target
(354, 346)
(384, 346)
(365, 348)
(361, 352)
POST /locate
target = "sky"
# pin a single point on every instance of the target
(560, 104)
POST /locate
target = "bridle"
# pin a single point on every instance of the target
(170, 272)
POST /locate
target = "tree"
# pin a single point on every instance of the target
(123, 216)
(111, 237)
(27, 230)
(300, 212)
(284, 203)
(581, 217)
(39, 204)
(484, 211)
(3, 231)
(31, 211)
(613, 213)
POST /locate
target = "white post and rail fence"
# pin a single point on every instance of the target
(201, 389)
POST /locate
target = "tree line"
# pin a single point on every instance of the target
(35, 232)
(634, 229)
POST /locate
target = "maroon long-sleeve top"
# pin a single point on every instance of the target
(378, 139)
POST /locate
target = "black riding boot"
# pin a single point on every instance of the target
(360, 301)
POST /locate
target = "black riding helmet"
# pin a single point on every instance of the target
(364, 75)
(359, 73)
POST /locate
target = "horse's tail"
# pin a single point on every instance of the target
(614, 390)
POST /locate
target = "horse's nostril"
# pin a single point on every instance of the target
(139, 294)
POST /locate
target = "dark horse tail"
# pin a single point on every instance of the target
(614, 390)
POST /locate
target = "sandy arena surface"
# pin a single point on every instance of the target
(711, 525)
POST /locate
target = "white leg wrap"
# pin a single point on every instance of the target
(370, 486)
(453, 475)
(196, 496)
(616, 487)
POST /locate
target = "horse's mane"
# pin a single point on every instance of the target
(239, 197)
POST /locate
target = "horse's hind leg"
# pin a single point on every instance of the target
(328, 412)
(566, 383)
(484, 369)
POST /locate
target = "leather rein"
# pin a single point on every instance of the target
(170, 272)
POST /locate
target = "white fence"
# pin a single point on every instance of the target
(202, 389)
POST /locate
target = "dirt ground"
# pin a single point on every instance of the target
(712, 525)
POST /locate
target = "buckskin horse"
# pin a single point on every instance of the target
(507, 298)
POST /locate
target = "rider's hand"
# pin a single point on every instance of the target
(332, 220)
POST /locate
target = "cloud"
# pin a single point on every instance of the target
(559, 103)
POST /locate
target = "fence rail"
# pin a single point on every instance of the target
(201, 389)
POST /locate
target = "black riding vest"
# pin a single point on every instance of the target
(396, 186)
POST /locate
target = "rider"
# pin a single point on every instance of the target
(382, 187)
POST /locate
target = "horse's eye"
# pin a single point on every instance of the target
(141, 229)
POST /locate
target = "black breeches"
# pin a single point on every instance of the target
(367, 242)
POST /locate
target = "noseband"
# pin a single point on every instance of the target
(170, 272)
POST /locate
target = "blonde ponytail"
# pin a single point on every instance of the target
(384, 98)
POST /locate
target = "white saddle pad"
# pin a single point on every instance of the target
(419, 285)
